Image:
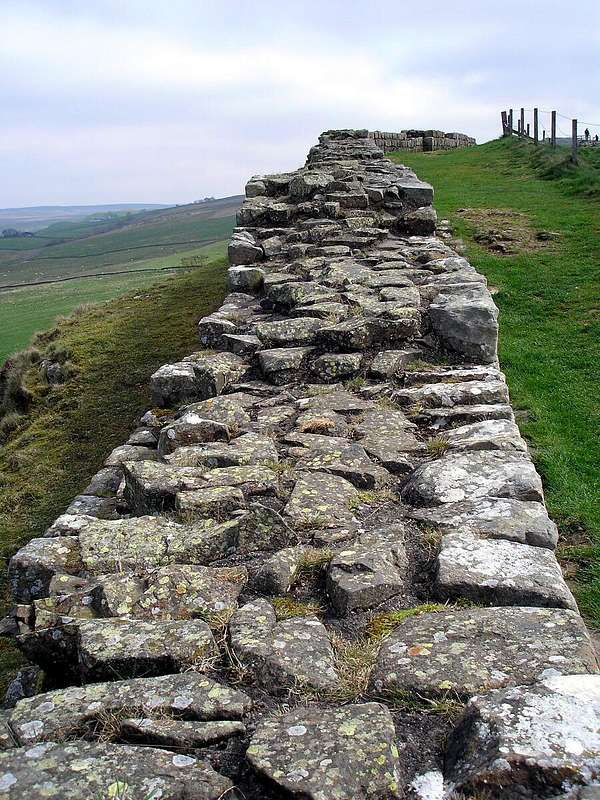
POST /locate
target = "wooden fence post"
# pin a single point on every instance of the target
(553, 131)
(528, 136)
(522, 121)
(505, 131)
(510, 120)
(535, 126)
(574, 141)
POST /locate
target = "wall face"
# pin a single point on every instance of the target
(321, 567)
(420, 140)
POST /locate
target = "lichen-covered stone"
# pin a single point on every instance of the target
(246, 279)
(495, 517)
(152, 487)
(183, 591)
(152, 542)
(288, 332)
(179, 735)
(369, 571)
(437, 395)
(467, 476)
(466, 321)
(319, 500)
(531, 742)
(338, 457)
(191, 429)
(285, 364)
(472, 650)
(280, 655)
(346, 753)
(275, 576)
(333, 366)
(33, 566)
(500, 572)
(217, 502)
(215, 372)
(77, 770)
(126, 648)
(174, 384)
(65, 713)
(494, 434)
(129, 452)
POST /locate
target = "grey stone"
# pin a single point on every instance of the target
(246, 279)
(495, 434)
(110, 546)
(174, 384)
(530, 742)
(33, 566)
(91, 506)
(183, 591)
(389, 363)
(437, 395)
(179, 735)
(217, 502)
(128, 452)
(125, 648)
(468, 651)
(500, 572)
(243, 249)
(277, 573)
(244, 345)
(495, 517)
(443, 418)
(462, 476)
(105, 482)
(319, 500)
(65, 713)
(75, 770)
(191, 429)
(368, 572)
(213, 328)
(346, 753)
(228, 409)
(152, 487)
(282, 654)
(214, 372)
(333, 366)
(343, 402)
(350, 334)
(288, 332)
(284, 365)
(338, 457)
(466, 322)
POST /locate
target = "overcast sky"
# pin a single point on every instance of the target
(144, 100)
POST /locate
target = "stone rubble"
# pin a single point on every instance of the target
(325, 531)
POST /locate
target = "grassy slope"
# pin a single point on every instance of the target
(147, 235)
(71, 429)
(549, 327)
(25, 311)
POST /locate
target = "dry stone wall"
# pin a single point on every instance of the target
(425, 141)
(321, 567)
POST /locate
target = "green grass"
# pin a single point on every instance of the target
(549, 302)
(148, 234)
(70, 429)
(31, 309)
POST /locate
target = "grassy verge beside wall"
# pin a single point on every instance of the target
(549, 300)
(70, 429)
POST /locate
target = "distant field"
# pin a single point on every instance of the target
(144, 235)
(26, 311)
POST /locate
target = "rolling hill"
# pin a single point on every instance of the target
(133, 247)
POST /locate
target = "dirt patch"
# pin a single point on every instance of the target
(505, 231)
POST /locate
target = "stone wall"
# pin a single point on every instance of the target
(420, 140)
(321, 567)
